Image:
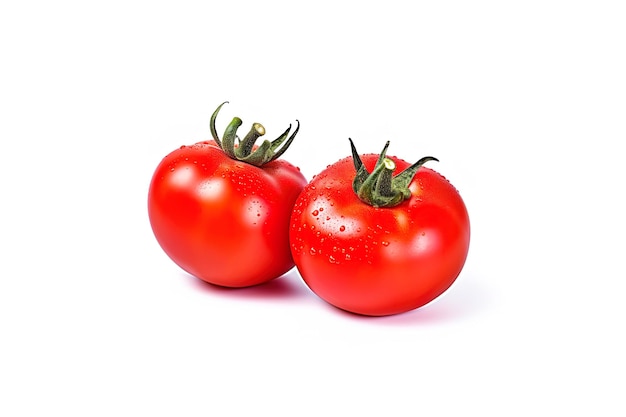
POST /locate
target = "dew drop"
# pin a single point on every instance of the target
(315, 212)
(312, 251)
(342, 228)
(332, 259)
(384, 243)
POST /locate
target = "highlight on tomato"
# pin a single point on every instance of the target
(220, 209)
(374, 235)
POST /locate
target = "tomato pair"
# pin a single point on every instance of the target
(363, 239)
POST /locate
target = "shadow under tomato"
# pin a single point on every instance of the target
(287, 286)
(462, 301)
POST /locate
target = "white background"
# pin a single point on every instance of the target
(522, 102)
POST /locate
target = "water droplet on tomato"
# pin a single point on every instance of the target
(384, 243)
(315, 212)
(312, 251)
(347, 257)
(332, 259)
(342, 228)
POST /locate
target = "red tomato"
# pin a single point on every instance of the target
(221, 219)
(379, 260)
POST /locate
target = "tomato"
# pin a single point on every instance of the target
(220, 209)
(376, 244)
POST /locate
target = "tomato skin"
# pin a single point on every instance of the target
(221, 220)
(378, 261)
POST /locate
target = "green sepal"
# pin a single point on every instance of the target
(380, 188)
(243, 149)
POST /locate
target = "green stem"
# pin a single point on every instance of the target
(244, 150)
(247, 144)
(380, 188)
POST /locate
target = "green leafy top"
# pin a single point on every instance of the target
(243, 149)
(380, 188)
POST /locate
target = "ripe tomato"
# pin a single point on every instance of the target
(376, 244)
(220, 209)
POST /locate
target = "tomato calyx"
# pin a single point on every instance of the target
(244, 149)
(380, 188)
